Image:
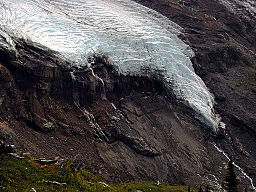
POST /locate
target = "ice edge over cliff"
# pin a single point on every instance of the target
(137, 40)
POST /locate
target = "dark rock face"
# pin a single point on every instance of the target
(4, 148)
(224, 44)
(125, 127)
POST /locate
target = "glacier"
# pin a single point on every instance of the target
(137, 41)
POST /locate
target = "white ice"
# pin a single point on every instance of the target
(137, 40)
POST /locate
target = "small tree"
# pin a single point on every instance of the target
(200, 189)
(207, 189)
(231, 180)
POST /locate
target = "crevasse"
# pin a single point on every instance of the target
(137, 41)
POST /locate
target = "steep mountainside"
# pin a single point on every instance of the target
(222, 33)
(131, 127)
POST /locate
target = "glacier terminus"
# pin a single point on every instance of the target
(133, 37)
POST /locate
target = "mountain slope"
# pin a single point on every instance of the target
(132, 128)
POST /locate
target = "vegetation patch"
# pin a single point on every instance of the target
(24, 174)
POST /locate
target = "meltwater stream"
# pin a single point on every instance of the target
(244, 175)
(137, 41)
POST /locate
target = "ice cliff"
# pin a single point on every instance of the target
(137, 40)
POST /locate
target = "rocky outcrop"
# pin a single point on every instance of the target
(4, 148)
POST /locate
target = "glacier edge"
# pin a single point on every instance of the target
(132, 36)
